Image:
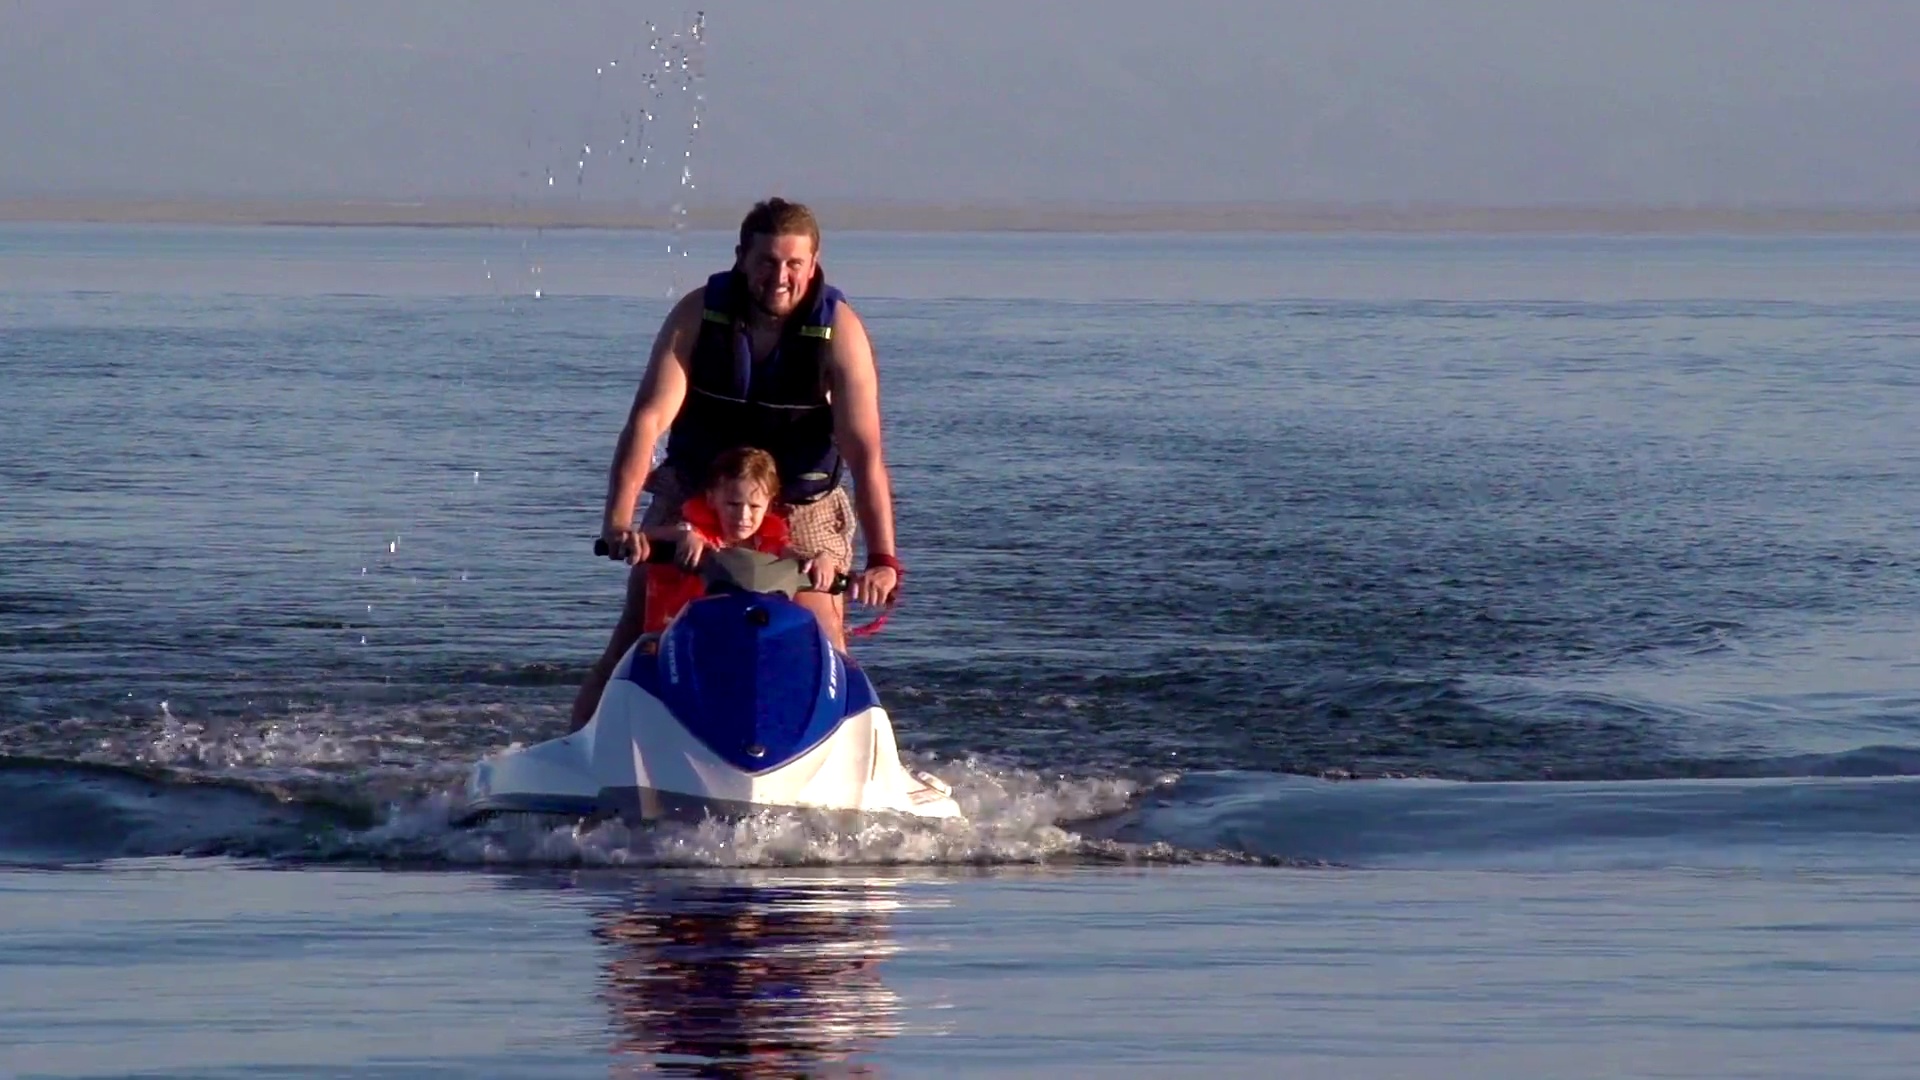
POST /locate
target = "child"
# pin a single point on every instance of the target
(734, 510)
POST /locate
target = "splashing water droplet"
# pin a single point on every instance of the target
(633, 100)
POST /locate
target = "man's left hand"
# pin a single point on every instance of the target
(875, 586)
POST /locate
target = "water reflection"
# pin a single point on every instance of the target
(748, 976)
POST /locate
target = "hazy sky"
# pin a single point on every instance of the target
(1466, 101)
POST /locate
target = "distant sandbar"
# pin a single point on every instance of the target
(1037, 217)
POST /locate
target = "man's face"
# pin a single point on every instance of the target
(778, 269)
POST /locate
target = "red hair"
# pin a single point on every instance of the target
(747, 463)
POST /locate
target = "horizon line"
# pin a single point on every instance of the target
(1053, 215)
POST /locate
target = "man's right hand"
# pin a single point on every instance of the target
(627, 543)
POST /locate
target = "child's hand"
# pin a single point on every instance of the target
(692, 545)
(821, 570)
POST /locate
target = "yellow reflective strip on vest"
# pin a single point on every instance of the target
(720, 317)
(821, 332)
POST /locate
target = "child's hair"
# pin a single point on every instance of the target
(746, 463)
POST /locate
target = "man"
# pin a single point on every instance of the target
(768, 355)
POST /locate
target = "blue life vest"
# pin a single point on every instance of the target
(778, 404)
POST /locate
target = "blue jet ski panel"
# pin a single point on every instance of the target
(752, 676)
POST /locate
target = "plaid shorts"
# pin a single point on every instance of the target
(825, 526)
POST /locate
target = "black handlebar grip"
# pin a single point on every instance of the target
(662, 553)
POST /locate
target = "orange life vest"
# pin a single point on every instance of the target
(670, 588)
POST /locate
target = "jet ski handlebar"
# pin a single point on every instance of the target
(663, 554)
(656, 553)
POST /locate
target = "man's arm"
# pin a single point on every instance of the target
(856, 428)
(655, 404)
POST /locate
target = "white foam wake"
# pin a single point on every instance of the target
(1011, 816)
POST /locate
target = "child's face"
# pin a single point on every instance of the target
(740, 505)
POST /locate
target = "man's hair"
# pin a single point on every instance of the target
(747, 463)
(778, 217)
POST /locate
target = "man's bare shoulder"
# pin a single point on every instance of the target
(683, 319)
(674, 342)
(693, 302)
(845, 315)
(849, 330)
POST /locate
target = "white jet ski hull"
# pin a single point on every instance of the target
(740, 705)
(636, 762)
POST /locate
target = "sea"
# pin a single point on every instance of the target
(1356, 655)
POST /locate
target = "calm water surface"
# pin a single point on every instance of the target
(1362, 655)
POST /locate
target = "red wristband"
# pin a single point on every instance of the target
(887, 561)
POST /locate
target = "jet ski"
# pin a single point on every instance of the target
(738, 706)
